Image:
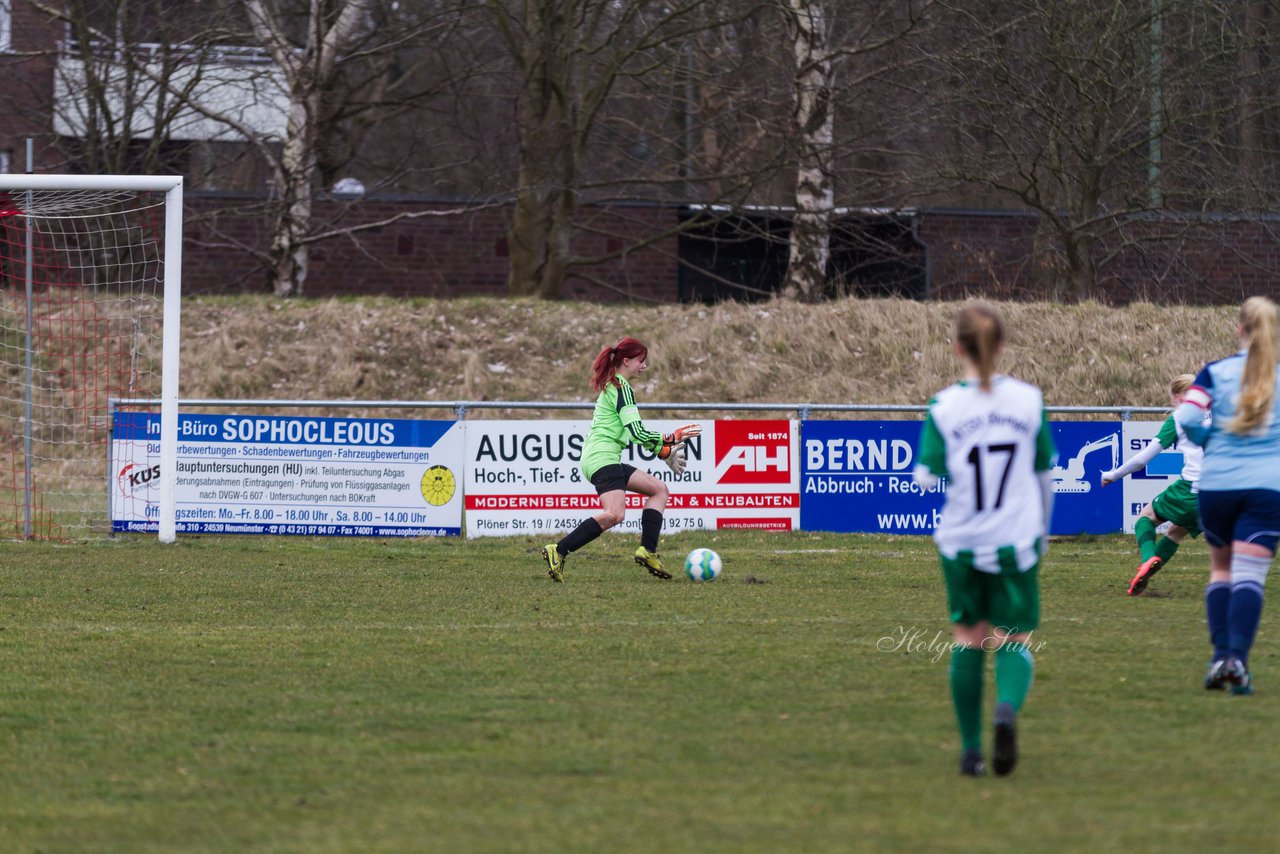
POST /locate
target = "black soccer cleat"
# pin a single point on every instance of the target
(1216, 678)
(971, 764)
(1236, 673)
(1005, 755)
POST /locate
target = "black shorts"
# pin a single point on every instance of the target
(609, 478)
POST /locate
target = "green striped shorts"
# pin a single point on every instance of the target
(1009, 599)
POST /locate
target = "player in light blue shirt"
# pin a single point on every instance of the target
(1239, 486)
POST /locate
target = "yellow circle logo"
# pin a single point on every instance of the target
(438, 485)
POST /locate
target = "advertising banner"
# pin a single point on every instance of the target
(254, 474)
(1085, 450)
(1144, 485)
(522, 477)
(856, 476)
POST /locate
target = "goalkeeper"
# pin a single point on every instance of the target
(616, 424)
(1178, 504)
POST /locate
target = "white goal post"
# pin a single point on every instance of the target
(78, 253)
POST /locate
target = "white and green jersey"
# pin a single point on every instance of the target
(991, 446)
(1171, 435)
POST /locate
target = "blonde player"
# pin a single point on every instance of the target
(1177, 504)
(1233, 411)
(988, 435)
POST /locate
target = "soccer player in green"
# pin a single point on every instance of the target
(988, 435)
(1177, 504)
(616, 424)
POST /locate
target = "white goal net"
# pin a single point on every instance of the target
(89, 272)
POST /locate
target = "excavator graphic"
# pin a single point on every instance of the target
(1071, 479)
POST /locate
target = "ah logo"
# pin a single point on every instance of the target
(753, 452)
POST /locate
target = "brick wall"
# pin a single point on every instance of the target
(1222, 260)
(1155, 259)
(970, 253)
(463, 254)
(979, 253)
(24, 101)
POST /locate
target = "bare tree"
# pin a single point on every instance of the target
(1089, 114)
(1092, 114)
(1252, 97)
(123, 75)
(307, 50)
(576, 61)
(867, 49)
(814, 125)
(1221, 138)
(327, 71)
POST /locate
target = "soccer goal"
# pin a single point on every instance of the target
(90, 301)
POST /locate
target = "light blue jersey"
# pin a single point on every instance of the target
(1231, 461)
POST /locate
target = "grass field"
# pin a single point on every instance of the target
(238, 694)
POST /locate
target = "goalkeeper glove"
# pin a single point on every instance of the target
(673, 452)
(674, 457)
(682, 434)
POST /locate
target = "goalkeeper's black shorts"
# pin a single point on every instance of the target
(611, 478)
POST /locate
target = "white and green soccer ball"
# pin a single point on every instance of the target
(702, 565)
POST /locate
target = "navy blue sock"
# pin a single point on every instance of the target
(1217, 606)
(1246, 612)
(1248, 574)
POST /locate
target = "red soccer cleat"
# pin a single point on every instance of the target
(1149, 568)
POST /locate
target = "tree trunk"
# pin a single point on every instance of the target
(813, 123)
(1251, 99)
(290, 253)
(1081, 275)
(546, 199)
(307, 73)
(541, 226)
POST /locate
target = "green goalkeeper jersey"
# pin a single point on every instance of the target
(615, 424)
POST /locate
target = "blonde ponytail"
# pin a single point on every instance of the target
(1181, 383)
(980, 332)
(1258, 382)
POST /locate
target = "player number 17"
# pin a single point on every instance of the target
(976, 455)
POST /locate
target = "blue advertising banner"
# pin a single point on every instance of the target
(855, 476)
(256, 474)
(1085, 450)
(346, 437)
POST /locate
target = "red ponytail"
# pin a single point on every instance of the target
(605, 368)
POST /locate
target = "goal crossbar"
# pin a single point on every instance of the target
(139, 183)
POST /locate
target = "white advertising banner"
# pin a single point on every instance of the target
(522, 477)
(1141, 487)
(253, 474)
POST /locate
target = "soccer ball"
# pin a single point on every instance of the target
(702, 565)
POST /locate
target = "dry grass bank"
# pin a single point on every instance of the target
(851, 351)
